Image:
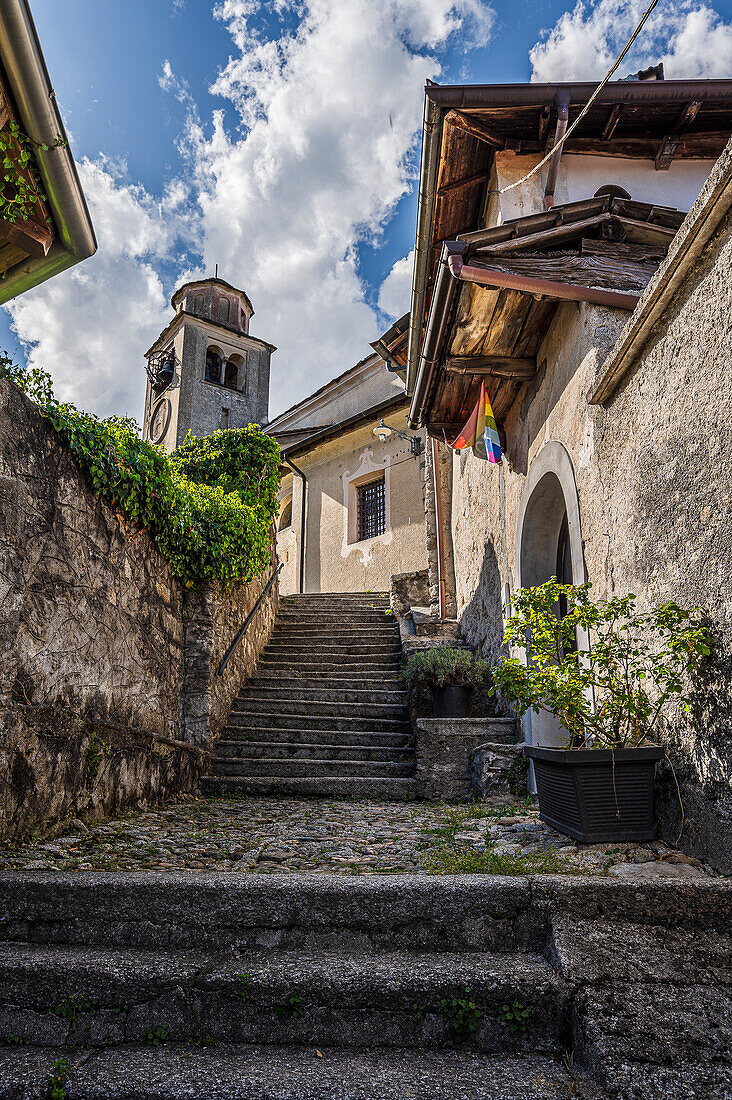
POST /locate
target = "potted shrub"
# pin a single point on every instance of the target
(609, 698)
(452, 675)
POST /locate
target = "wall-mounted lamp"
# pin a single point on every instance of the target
(383, 431)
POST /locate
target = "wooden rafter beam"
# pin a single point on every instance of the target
(544, 124)
(669, 145)
(612, 121)
(475, 129)
(34, 239)
(467, 181)
(498, 366)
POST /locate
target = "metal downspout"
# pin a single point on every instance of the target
(569, 292)
(551, 179)
(438, 523)
(431, 140)
(444, 289)
(301, 569)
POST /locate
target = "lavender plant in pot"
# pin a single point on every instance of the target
(610, 698)
(451, 674)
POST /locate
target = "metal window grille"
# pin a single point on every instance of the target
(371, 509)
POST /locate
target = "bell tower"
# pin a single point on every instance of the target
(204, 370)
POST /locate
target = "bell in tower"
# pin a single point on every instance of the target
(205, 371)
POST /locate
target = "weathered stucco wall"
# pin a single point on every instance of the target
(335, 560)
(96, 672)
(653, 471)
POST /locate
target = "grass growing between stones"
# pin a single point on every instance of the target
(466, 860)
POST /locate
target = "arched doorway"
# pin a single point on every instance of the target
(549, 544)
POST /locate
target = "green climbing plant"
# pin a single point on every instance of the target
(209, 506)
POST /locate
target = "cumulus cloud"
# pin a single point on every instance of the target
(90, 325)
(327, 112)
(396, 289)
(689, 37)
(329, 115)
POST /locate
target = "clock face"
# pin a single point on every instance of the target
(159, 420)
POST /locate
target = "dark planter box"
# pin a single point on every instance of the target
(451, 701)
(597, 795)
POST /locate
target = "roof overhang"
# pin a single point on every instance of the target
(25, 68)
(465, 125)
(352, 423)
(497, 291)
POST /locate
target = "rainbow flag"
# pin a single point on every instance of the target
(481, 431)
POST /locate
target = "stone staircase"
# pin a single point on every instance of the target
(325, 713)
(231, 987)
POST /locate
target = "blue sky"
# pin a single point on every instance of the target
(256, 133)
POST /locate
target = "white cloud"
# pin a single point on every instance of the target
(329, 115)
(689, 37)
(396, 289)
(90, 325)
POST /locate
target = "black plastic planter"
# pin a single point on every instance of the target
(451, 701)
(597, 795)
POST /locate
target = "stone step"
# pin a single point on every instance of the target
(313, 693)
(222, 911)
(369, 618)
(301, 750)
(319, 597)
(325, 647)
(314, 767)
(285, 719)
(59, 994)
(340, 636)
(349, 787)
(305, 665)
(250, 1072)
(246, 735)
(359, 680)
(306, 706)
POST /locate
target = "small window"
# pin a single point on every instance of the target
(371, 509)
(224, 310)
(224, 418)
(199, 306)
(214, 363)
(231, 375)
(286, 516)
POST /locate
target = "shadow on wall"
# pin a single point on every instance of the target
(699, 760)
(481, 620)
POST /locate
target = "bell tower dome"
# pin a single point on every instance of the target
(205, 371)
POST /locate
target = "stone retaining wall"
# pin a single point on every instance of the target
(100, 648)
(444, 754)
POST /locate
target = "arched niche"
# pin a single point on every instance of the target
(549, 544)
(234, 374)
(214, 364)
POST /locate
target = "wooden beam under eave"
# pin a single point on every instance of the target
(670, 143)
(467, 181)
(475, 129)
(33, 238)
(497, 366)
(612, 121)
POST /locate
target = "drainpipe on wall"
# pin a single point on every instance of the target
(438, 524)
(301, 566)
(551, 179)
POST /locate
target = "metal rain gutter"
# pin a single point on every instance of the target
(22, 58)
(442, 297)
(529, 284)
(431, 140)
(303, 515)
(466, 96)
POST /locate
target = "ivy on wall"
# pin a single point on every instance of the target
(209, 506)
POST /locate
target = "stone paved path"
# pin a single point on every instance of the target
(269, 836)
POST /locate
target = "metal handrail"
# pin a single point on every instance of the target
(243, 628)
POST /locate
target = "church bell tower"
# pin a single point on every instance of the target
(205, 371)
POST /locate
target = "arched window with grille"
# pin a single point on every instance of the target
(234, 375)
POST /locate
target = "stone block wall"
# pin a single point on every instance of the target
(652, 469)
(94, 644)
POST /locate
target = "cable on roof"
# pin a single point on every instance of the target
(585, 109)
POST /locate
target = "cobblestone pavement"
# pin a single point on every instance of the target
(269, 836)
